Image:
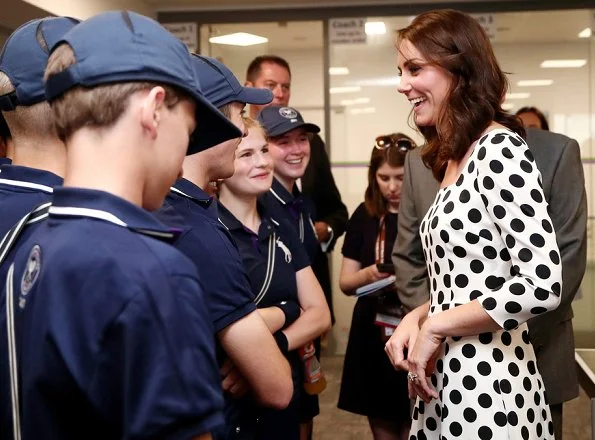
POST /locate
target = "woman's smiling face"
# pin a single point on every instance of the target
(425, 85)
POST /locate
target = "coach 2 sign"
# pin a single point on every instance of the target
(187, 32)
(347, 31)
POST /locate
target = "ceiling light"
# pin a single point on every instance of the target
(507, 106)
(355, 101)
(375, 28)
(365, 110)
(553, 64)
(338, 71)
(239, 39)
(585, 33)
(535, 82)
(346, 89)
(522, 95)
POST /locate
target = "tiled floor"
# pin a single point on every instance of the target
(334, 424)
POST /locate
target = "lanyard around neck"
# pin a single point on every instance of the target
(381, 240)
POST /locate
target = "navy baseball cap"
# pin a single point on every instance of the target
(24, 57)
(278, 120)
(122, 46)
(221, 87)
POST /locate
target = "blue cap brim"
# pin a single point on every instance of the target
(212, 127)
(252, 95)
(286, 128)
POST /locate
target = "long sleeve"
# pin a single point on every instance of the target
(408, 257)
(510, 186)
(568, 211)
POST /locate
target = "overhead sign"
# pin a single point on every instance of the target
(187, 32)
(488, 23)
(347, 31)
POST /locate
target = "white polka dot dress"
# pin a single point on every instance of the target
(488, 237)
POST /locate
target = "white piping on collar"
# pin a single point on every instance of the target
(176, 190)
(155, 233)
(87, 212)
(221, 221)
(30, 185)
(103, 215)
(277, 196)
(183, 194)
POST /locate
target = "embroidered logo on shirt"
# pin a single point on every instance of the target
(288, 112)
(285, 249)
(32, 270)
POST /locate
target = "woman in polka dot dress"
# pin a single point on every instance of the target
(489, 245)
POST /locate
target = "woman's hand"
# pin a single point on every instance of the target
(402, 339)
(373, 274)
(353, 275)
(421, 362)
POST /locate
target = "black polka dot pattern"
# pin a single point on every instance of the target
(489, 238)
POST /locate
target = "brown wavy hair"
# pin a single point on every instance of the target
(457, 43)
(538, 113)
(374, 201)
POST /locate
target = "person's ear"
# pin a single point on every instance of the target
(153, 104)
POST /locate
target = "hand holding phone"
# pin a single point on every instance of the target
(386, 268)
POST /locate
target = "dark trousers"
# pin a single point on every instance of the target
(556, 411)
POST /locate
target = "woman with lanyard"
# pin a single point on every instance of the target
(370, 386)
(286, 291)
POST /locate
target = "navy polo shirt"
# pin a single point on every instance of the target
(208, 244)
(5, 161)
(114, 339)
(21, 190)
(290, 256)
(297, 210)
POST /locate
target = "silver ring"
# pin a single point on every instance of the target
(411, 377)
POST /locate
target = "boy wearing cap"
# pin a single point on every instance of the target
(38, 154)
(111, 332)
(288, 138)
(238, 327)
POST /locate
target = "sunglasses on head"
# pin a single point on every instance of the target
(384, 142)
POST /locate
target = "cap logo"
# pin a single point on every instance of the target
(288, 112)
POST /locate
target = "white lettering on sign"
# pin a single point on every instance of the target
(347, 31)
(187, 32)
